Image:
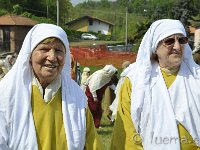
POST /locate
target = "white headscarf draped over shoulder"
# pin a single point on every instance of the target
(144, 109)
(15, 95)
(101, 77)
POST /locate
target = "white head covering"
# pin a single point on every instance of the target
(142, 103)
(101, 77)
(86, 69)
(15, 92)
(85, 75)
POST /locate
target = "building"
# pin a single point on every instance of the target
(194, 31)
(13, 30)
(91, 24)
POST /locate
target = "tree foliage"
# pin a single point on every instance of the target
(37, 8)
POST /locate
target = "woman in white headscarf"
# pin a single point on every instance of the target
(85, 75)
(41, 107)
(95, 89)
(159, 106)
(7, 63)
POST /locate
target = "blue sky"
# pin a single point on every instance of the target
(74, 2)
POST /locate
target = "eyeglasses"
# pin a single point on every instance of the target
(171, 41)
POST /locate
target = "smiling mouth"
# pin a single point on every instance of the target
(50, 66)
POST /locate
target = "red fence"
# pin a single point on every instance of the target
(100, 56)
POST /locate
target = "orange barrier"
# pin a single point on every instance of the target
(100, 56)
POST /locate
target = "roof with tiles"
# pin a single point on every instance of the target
(16, 20)
(88, 17)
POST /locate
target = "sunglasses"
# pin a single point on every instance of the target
(171, 41)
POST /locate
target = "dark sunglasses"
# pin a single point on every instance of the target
(171, 41)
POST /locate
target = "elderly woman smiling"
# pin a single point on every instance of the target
(41, 107)
(47, 60)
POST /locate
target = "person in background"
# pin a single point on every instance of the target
(75, 70)
(7, 63)
(73, 67)
(109, 97)
(159, 101)
(196, 53)
(196, 57)
(85, 75)
(114, 105)
(2, 74)
(15, 54)
(95, 88)
(41, 107)
(78, 73)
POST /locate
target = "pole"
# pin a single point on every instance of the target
(126, 26)
(57, 3)
(47, 9)
(115, 27)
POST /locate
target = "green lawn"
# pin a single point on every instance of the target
(105, 132)
(92, 42)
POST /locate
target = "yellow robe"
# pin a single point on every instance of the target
(49, 125)
(124, 135)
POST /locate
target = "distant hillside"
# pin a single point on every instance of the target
(113, 15)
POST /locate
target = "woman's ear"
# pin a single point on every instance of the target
(30, 60)
(154, 57)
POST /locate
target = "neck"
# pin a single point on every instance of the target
(170, 70)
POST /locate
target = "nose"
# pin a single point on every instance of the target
(52, 55)
(177, 45)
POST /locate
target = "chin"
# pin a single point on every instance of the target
(176, 63)
(50, 77)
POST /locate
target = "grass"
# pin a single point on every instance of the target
(105, 132)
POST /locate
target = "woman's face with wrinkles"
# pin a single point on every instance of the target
(170, 54)
(47, 61)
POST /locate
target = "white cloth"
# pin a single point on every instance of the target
(85, 75)
(50, 90)
(100, 78)
(113, 107)
(17, 129)
(154, 109)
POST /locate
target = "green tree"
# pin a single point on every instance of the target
(3, 12)
(17, 9)
(184, 10)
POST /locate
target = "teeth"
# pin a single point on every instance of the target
(50, 66)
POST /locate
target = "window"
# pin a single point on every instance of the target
(1, 39)
(5, 39)
(90, 22)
